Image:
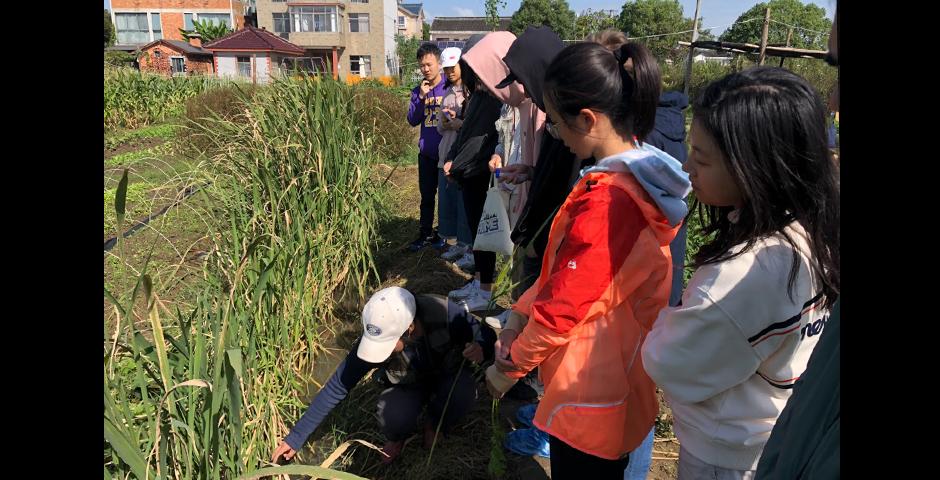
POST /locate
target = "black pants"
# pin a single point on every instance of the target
(569, 463)
(427, 185)
(474, 197)
(399, 406)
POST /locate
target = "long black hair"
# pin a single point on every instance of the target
(587, 75)
(770, 126)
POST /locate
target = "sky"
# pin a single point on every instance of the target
(718, 14)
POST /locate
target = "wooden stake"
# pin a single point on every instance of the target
(763, 37)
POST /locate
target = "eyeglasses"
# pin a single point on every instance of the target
(552, 130)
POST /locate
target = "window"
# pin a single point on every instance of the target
(157, 53)
(359, 22)
(360, 65)
(313, 19)
(215, 18)
(155, 25)
(360, 1)
(244, 66)
(281, 22)
(132, 28)
(178, 65)
(189, 18)
(401, 21)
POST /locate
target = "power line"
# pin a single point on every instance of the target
(799, 28)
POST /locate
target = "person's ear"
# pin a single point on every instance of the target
(588, 120)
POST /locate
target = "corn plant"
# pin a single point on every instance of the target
(133, 99)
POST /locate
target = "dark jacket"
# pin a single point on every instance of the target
(528, 59)
(423, 359)
(805, 440)
(477, 139)
(668, 134)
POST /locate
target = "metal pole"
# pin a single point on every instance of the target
(688, 65)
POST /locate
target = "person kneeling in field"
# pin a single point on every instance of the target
(416, 343)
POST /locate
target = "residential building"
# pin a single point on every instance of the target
(140, 22)
(252, 54)
(176, 57)
(355, 37)
(410, 22)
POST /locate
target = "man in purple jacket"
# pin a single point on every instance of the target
(424, 110)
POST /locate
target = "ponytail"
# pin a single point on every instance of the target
(641, 82)
(624, 84)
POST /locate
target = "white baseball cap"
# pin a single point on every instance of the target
(450, 56)
(386, 316)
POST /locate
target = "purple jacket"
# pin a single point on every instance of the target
(425, 112)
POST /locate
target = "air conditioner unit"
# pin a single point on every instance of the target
(284, 35)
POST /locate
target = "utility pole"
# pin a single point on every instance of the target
(688, 65)
(763, 37)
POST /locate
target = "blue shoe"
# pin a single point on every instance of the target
(526, 413)
(528, 441)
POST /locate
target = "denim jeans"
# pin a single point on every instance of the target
(640, 459)
(451, 216)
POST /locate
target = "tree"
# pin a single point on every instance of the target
(813, 31)
(406, 48)
(492, 12)
(425, 31)
(109, 34)
(553, 13)
(208, 30)
(591, 22)
(642, 18)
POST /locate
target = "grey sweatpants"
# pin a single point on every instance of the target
(400, 405)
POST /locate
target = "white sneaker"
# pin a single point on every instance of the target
(478, 300)
(455, 252)
(466, 263)
(465, 291)
(499, 321)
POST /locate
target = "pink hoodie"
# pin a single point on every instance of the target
(486, 59)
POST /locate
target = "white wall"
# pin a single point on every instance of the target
(227, 66)
(262, 69)
(389, 24)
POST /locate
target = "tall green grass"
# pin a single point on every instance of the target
(210, 393)
(133, 99)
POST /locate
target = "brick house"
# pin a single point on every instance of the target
(175, 57)
(139, 22)
(251, 53)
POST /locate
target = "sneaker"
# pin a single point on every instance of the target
(466, 262)
(479, 299)
(455, 252)
(528, 441)
(419, 243)
(464, 291)
(437, 242)
(499, 321)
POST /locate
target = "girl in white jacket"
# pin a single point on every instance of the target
(766, 188)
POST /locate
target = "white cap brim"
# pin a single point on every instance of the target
(375, 352)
